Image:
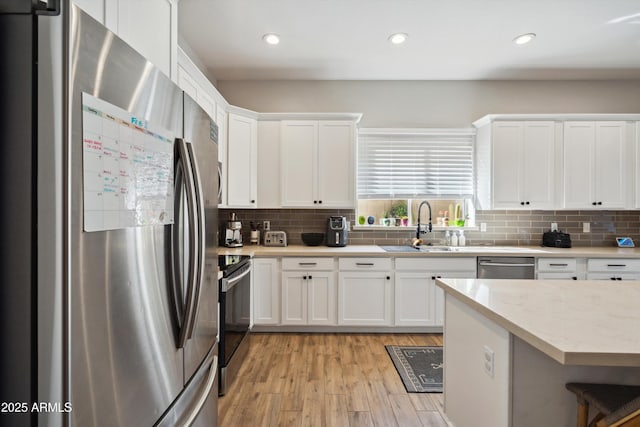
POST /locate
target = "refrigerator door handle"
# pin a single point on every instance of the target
(201, 400)
(200, 237)
(183, 168)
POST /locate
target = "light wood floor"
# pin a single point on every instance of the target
(327, 380)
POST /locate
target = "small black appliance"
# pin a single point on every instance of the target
(337, 231)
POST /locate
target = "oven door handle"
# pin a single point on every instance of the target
(230, 283)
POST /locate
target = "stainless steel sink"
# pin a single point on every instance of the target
(435, 249)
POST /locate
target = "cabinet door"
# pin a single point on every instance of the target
(507, 141)
(336, 162)
(221, 121)
(150, 27)
(364, 298)
(294, 298)
(321, 290)
(95, 9)
(610, 166)
(269, 165)
(242, 163)
(299, 140)
(439, 293)
(266, 291)
(558, 276)
(538, 165)
(579, 142)
(414, 299)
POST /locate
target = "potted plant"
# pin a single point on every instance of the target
(398, 212)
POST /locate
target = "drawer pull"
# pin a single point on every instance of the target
(365, 264)
(616, 265)
(307, 263)
(559, 265)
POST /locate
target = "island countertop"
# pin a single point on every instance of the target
(595, 322)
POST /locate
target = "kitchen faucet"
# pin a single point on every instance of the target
(429, 226)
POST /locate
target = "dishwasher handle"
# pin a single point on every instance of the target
(505, 264)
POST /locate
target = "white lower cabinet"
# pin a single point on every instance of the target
(365, 292)
(266, 291)
(308, 291)
(418, 301)
(561, 269)
(613, 269)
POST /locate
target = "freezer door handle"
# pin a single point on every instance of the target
(200, 236)
(202, 399)
(184, 179)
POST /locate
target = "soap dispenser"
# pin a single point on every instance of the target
(454, 239)
(462, 241)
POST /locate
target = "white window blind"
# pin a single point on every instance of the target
(405, 163)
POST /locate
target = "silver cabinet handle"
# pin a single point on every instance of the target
(365, 264)
(559, 265)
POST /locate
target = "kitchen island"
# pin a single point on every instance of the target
(511, 345)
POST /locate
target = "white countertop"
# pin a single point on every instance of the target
(377, 251)
(595, 322)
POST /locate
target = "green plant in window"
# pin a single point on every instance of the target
(399, 210)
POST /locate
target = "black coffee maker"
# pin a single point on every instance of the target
(337, 231)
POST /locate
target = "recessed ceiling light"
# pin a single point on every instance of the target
(524, 38)
(271, 38)
(398, 38)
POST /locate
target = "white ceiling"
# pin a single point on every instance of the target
(448, 39)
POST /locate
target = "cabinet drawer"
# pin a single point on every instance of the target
(613, 265)
(557, 264)
(308, 264)
(367, 264)
(613, 276)
(437, 264)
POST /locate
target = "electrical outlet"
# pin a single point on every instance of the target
(487, 360)
(266, 225)
(554, 226)
(483, 226)
(586, 227)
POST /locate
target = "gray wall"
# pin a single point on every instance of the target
(433, 103)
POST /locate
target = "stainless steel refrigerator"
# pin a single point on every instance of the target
(108, 263)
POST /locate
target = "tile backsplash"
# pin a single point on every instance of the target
(503, 227)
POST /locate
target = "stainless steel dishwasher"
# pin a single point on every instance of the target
(493, 267)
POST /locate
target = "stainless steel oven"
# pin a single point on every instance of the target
(235, 315)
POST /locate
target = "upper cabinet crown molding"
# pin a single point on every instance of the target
(554, 117)
(352, 117)
(195, 73)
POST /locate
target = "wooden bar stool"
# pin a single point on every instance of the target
(617, 405)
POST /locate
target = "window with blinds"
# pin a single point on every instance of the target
(405, 163)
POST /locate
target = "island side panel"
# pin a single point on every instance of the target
(538, 386)
(472, 397)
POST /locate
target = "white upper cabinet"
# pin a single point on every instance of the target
(268, 164)
(317, 164)
(596, 165)
(521, 165)
(149, 26)
(199, 94)
(242, 161)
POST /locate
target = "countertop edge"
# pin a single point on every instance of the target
(560, 356)
(376, 251)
